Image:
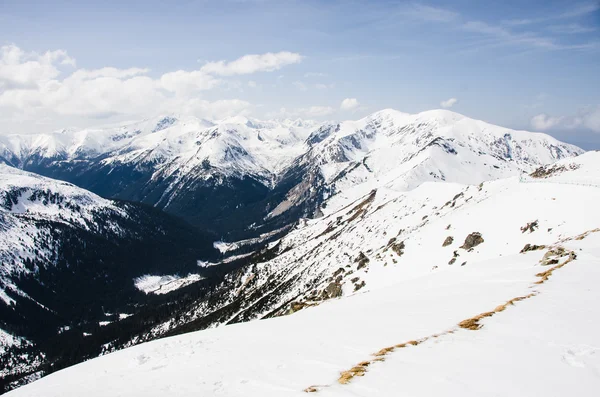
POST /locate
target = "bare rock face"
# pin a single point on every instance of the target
(333, 290)
(532, 247)
(472, 240)
(398, 248)
(296, 306)
(531, 226)
(358, 286)
(362, 260)
(449, 240)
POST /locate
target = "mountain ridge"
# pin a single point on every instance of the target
(230, 174)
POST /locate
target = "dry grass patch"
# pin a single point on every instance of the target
(545, 275)
(473, 322)
(358, 370)
(385, 351)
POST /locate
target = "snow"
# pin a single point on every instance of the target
(176, 146)
(8, 340)
(27, 198)
(545, 344)
(152, 284)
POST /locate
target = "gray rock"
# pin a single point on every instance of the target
(472, 240)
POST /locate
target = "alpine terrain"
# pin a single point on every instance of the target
(394, 244)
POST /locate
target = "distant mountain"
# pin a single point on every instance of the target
(400, 151)
(209, 173)
(69, 262)
(241, 177)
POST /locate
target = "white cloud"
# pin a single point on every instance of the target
(507, 33)
(45, 86)
(253, 84)
(319, 111)
(307, 112)
(19, 69)
(185, 82)
(321, 86)
(587, 118)
(572, 28)
(349, 104)
(543, 122)
(429, 13)
(216, 110)
(448, 103)
(249, 64)
(84, 74)
(300, 85)
(577, 11)
(314, 75)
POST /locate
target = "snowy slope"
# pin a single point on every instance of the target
(68, 258)
(25, 200)
(400, 151)
(504, 318)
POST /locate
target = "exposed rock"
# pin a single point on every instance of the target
(362, 260)
(549, 170)
(532, 247)
(531, 226)
(398, 248)
(333, 290)
(296, 306)
(472, 240)
(359, 285)
(452, 261)
(554, 254)
(449, 240)
(338, 272)
(458, 196)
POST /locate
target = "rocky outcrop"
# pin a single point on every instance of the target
(449, 240)
(472, 240)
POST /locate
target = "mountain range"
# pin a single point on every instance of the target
(111, 237)
(231, 175)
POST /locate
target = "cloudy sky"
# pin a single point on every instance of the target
(529, 65)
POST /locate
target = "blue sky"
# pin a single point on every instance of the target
(532, 65)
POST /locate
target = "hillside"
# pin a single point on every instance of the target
(442, 290)
(69, 263)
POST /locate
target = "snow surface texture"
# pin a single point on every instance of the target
(502, 319)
